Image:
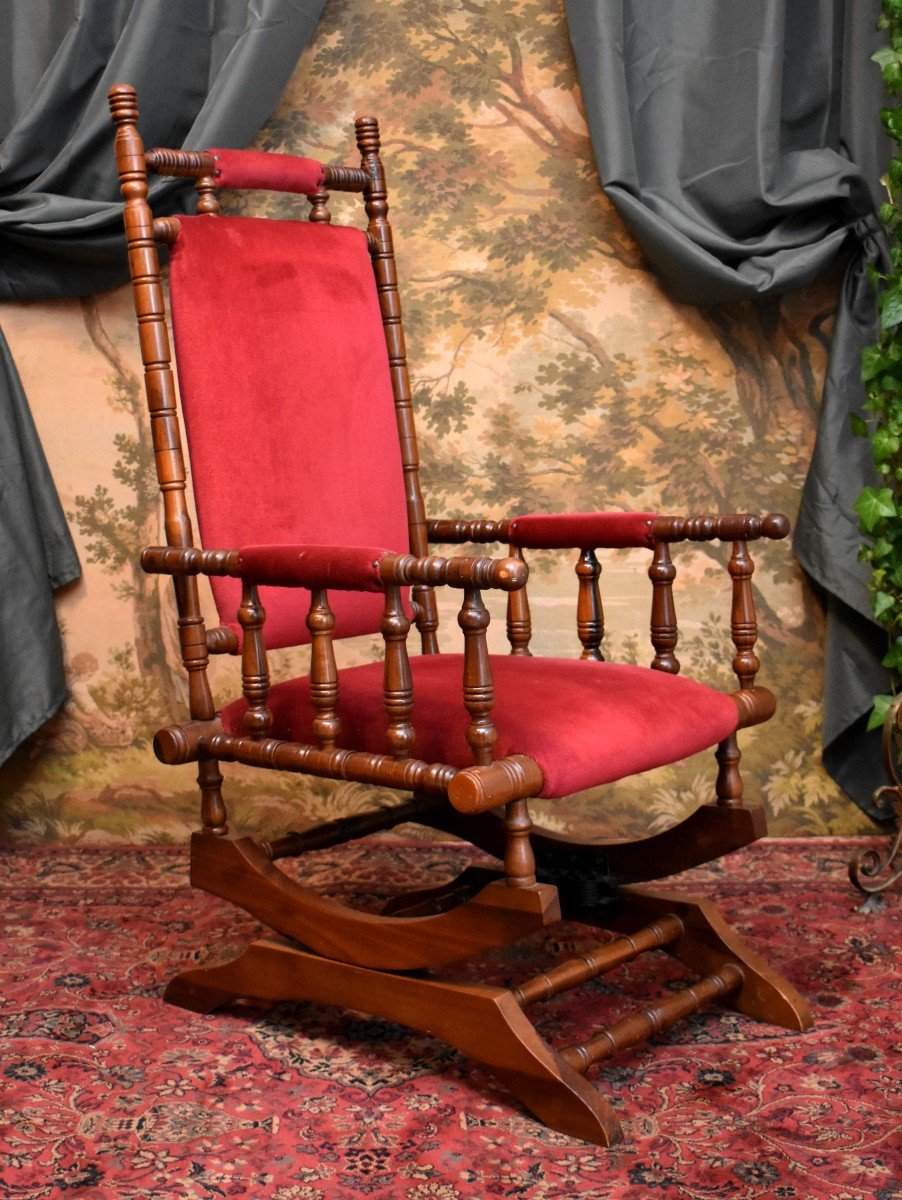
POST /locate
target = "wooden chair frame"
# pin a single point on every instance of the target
(329, 953)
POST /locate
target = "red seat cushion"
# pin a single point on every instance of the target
(585, 723)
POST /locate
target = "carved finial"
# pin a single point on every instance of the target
(367, 129)
(123, 104)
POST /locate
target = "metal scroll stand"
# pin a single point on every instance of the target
(871, 871)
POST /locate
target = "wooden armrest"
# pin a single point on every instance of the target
(451, 531)
(355, 568)
(735, 527)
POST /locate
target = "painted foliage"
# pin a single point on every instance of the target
(550, 372)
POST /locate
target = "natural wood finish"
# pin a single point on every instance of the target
(323, 671)
(478, 789)
(479, 692)
(734, 527)
(706, 944)
(589, 611)
(482, 1022)
(213, 816)
(639, 1027)
(755, 705)
(239, 870)
(319, 207)
(383, 255)
(254, 668)
(468, 531)
(222, 640)
(598, 962)
(519, 621)
(397, 678)
(664, 633)
(519, 860)
(207, 196)
(743, 625)
(729, 780)
(159, 383)
(190, 164)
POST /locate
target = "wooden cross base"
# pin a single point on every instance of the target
(488, 1023)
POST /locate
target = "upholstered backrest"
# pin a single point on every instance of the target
(287, 400)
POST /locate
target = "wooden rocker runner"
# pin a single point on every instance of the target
(297, 408)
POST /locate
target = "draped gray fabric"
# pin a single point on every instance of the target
(741, 144)
(208, 72)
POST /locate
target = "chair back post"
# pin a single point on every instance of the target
(159, 385)
(382, 251)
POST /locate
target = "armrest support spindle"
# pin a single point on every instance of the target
(254, 668)
(479, 692)
(323, 671)
(519, 620)
(589, 611)
(398, 681)
(664, 633)
(743, 625)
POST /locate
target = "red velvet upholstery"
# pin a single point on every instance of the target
(287, 399)
(314, 566)
(585, 723)
(566, 531)
(275, 172)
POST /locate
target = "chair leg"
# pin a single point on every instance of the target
(485, 1023)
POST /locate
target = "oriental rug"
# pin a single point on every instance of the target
(109, 1092)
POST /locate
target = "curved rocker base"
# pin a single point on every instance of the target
(484, 1023)
(488, 1023)
(237, 869)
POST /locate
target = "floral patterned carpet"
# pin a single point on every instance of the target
(109, 1092)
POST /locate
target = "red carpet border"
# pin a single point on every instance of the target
(109, 1092)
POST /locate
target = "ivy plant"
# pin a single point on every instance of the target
(880, 508)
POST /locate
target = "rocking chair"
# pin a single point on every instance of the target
(297, 408)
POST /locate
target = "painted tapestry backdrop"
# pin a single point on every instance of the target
(550, 372)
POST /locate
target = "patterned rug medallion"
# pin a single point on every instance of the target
(109, 1092)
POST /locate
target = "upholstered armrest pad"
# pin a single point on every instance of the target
(586, 531)
(355, 568)
(271, 172)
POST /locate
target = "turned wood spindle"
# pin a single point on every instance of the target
(589, 966)
(207, 196)
(323, 671)
(212, 807)
(519, 619)
(319, 207)
(664, 633)
(254, 668)
(159, 381)
(479, 692)
(589, 611)
(397, 678)
(743, 625)
(519, 860)
(382, 252)
(729, 780)
(638, 1027)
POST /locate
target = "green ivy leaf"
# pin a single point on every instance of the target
(859, 425)
(884, 56)
(882, 705)
(873, 504)
(885, 444)
(891, 309)
(893, 656)
(873, 361)
(883, 603)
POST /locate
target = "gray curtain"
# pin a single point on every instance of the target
(208, 72)
(741, 144)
